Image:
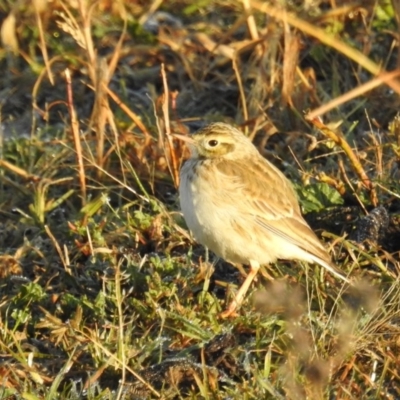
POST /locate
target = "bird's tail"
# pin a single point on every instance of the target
(329, 266)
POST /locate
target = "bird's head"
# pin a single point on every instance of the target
(218, 140)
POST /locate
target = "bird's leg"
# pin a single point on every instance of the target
(241, 269)
(264, 272)
(237, 301)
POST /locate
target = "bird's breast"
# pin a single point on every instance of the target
(202, 204)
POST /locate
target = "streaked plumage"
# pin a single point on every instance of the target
(241, 206)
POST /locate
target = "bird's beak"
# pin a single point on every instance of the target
(184, 138)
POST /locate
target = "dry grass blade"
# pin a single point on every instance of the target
(352, 94)
(241, 89)
(325, 38)
(19, 171)
(58, 248)
(165, 109)
(8, 33)
(101, 109)
(215, 48)
(290, 63)
(37, 85)
(339, 140)
(396, 7)
(130, 113)
(76, 136)
(40, 6)
(97, 342)
(251, 23)
(347, 180)
(337, 184)
(155, 5)
(86, 12)
(102, 114)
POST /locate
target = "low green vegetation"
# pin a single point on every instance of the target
(103, 292)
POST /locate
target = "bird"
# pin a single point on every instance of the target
(243, 208)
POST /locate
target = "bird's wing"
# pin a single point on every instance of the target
(266, 194)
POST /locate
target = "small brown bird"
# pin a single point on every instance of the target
(243, 208)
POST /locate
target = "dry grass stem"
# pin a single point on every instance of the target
(171, 156)
(76, 136)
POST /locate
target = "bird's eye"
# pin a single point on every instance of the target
(213, 143)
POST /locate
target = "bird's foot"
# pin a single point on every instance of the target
(230, 312)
